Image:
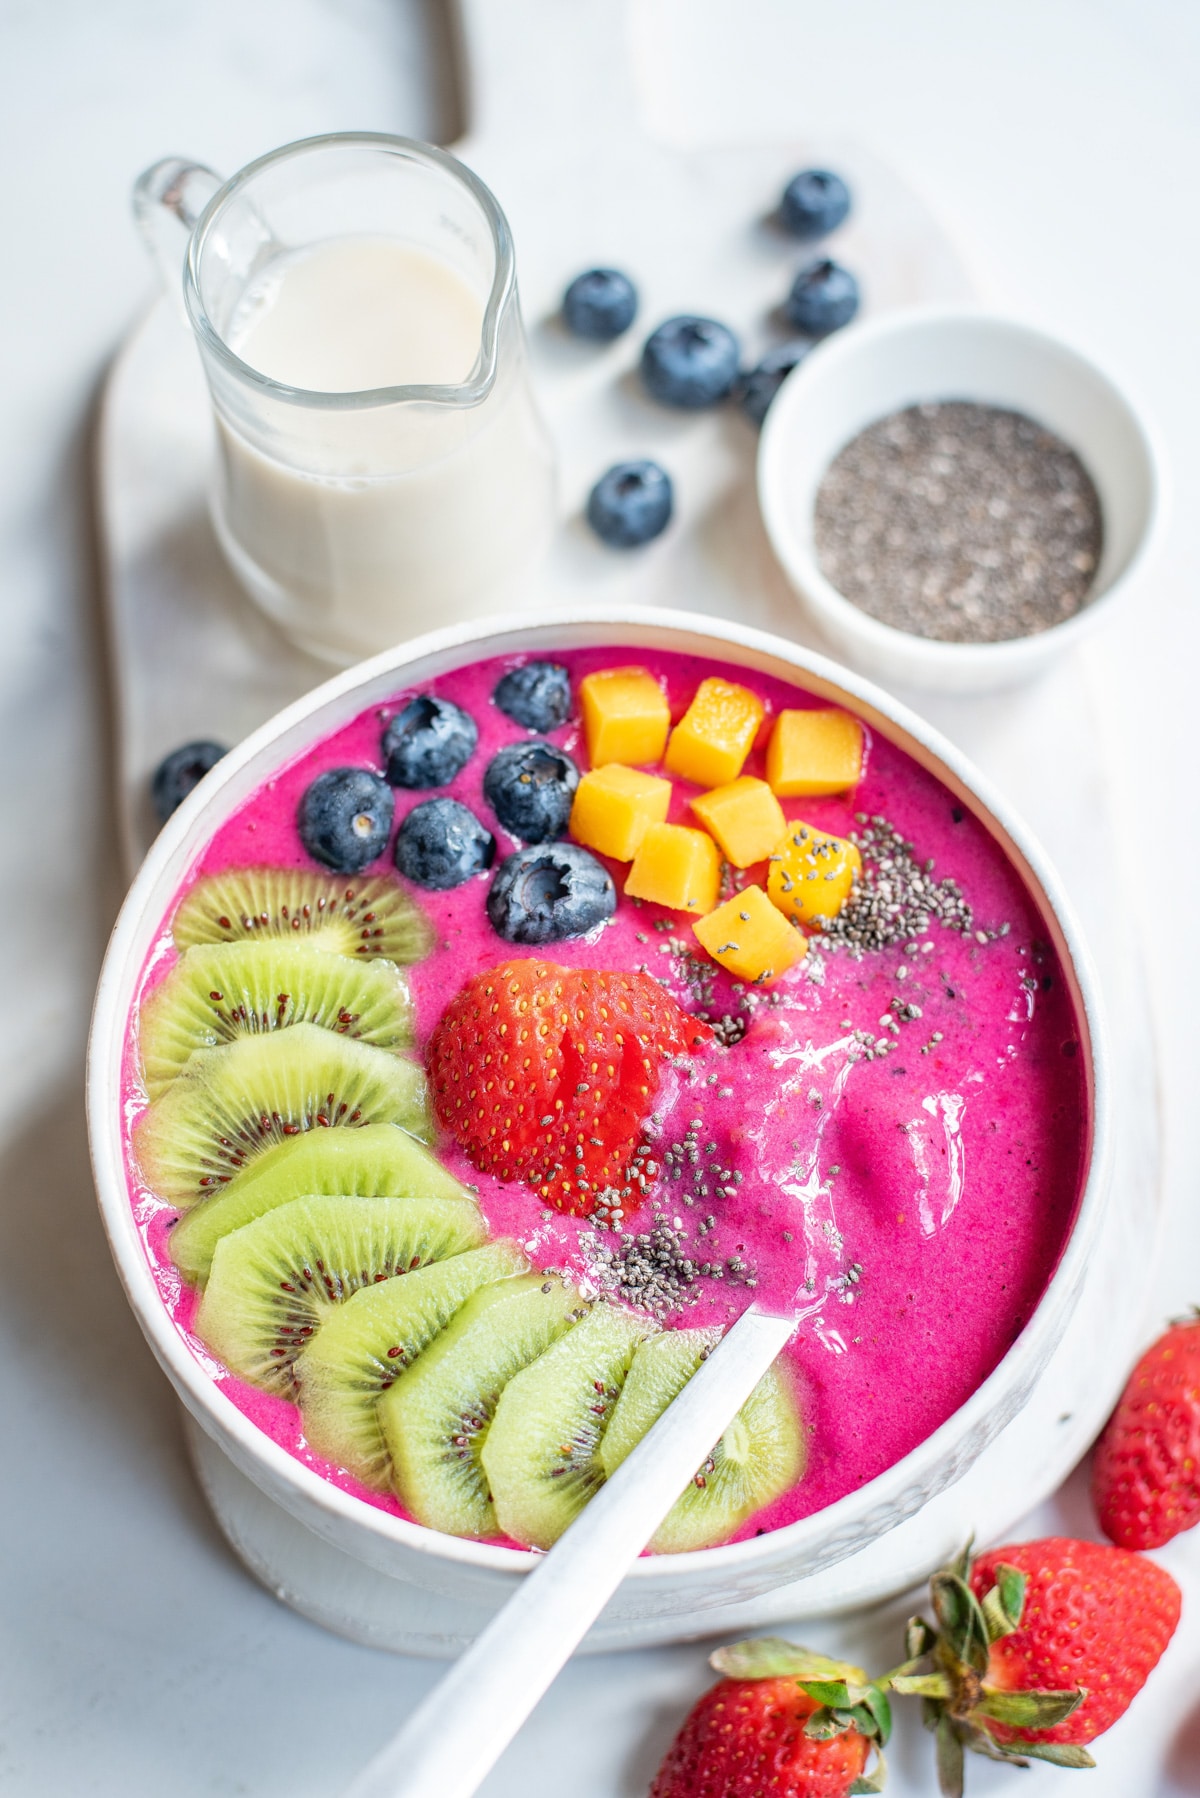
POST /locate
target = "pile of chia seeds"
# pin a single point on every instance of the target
(652, 1271)
(655, 1271)
(897, 898)
(958, 521)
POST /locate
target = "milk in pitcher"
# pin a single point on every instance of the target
(384, 518)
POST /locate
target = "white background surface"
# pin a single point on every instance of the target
(1059, 141)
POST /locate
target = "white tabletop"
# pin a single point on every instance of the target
(1059, 143)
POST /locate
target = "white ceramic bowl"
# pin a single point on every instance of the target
(312, 1542)
(867, 371)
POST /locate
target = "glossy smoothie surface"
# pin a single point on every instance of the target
(910, 1208)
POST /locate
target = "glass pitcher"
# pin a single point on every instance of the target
(355, 518)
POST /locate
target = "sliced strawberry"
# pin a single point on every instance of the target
(546, 1074)
(495, 1065)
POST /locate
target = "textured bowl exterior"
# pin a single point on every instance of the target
(676, 1592)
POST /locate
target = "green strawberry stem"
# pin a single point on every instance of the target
(873, 1781)
(845, 1697)
(947, 1669)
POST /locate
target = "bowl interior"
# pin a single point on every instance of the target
(873, 370)
(842, 1525)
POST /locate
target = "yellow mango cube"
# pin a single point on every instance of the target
(625, 716)
(750, 938)
(715, 734)
(813, 752)
(615, 806)
(745, 817)
(811, 873)
(677, 867)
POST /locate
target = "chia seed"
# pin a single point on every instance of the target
(896, 899)
(961, 522)
(656, 1270)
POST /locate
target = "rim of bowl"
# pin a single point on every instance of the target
(885, 640)
(186, 832)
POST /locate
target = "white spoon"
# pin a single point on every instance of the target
(454, 1738)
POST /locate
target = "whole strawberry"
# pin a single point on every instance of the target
(1146, 1474)
(1038, 1649)
(1095, 1618)
(787, 1724)
(546, 1074)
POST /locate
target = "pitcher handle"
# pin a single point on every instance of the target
(167, 201)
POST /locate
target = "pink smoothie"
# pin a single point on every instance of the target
(910, 1205)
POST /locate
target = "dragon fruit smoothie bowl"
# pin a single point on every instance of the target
(917, 1341)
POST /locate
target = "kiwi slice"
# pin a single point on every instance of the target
(374, 1161)
(220, 991)
(275, 1280)
(436, 1417)
(541, 1454)
(369, 917)
(230, 1104)
(761, 1455)
(363, 1347)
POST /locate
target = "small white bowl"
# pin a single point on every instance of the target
(906, 358)
(381, 1579)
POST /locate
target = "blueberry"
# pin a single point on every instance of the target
(537, 695)
(428, 742)
(758, 387)
(345, 817)
(690, 362)
(630, 504)
(440, 844)
(530, 787)
(179, 772)
(814, 202)
(543, 895)
(824, 296)
(600, 304)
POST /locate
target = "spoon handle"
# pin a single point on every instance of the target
(458, 1733)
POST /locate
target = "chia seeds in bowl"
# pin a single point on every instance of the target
(959, 521)
(875, 572)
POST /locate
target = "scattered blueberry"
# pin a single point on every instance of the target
(690, 362)
(758, 387)
(345, 817)
(537, 695)
(441, 843)
(824, 297)
(631, 504)
(530, 787)
(428, 742)
(179, 772)
(543, 895)
(600, 304)
(814, 202)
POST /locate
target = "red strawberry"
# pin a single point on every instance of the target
(745, 1739)
(1095, 1618)
(1039, 1648)
(546, 1074)
(1146, 1475)
(792, 1724)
